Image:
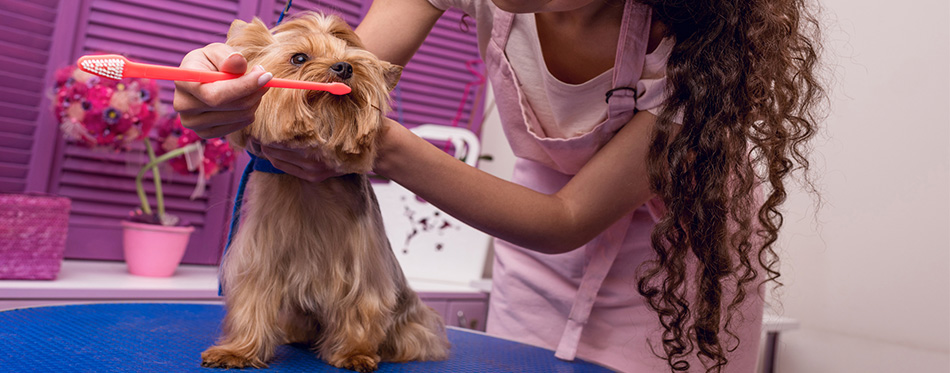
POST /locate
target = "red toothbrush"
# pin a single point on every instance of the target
(114, 66)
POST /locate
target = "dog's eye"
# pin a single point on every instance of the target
(299, 59)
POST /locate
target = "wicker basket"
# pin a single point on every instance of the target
(32, 235)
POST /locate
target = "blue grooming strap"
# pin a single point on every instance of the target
(263, 165)
(255, 164)
(286, 8)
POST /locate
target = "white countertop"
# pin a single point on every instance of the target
(80, 279)
(101, 279)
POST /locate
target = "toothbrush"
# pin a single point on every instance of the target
(114, 66)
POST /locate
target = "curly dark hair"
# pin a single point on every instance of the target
(744, 76)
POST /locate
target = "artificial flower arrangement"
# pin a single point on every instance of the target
(112, 114)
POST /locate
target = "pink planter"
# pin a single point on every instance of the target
(154, 250)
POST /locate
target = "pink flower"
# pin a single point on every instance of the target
(217, 156)
(113, 113)
(105, 113)
(123, 125)
(99, 97)
(94, 121)
(63, 75)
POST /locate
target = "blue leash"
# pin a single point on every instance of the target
(286, 8)
(255, 164)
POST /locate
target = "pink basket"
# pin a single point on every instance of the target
(32, 235)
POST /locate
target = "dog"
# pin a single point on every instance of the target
(310, 262)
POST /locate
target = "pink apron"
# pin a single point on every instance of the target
(546, 164)
(585, 302)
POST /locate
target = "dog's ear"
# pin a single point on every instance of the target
(236, 27)
(342, 30)
(251, 38)
(391, 74)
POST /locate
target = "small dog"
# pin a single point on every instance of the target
(310, 262)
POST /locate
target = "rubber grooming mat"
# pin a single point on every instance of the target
(163, 337)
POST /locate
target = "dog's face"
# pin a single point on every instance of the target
(342, 130)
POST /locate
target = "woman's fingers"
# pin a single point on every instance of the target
(206, 59)
(221, 94)
(225, 58)
(297, 163)
(225, 95)
(188, 104)
(291, 169)
(235, 100)
(219, 124)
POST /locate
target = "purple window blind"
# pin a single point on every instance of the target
(432, 89)
(26, 37)
(41, 36)
(352, 11)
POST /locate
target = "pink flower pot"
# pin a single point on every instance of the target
(154, 250)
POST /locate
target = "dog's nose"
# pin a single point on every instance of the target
(342, 70)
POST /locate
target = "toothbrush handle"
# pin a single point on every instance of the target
(143, 70)
(174, 73)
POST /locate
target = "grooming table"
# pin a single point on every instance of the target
(169, 337)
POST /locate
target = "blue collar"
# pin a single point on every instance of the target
(263, 165)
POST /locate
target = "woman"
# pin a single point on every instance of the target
(630, 234)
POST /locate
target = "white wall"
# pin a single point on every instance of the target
(869, 276)
(494, 142)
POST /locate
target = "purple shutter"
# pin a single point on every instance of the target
(33, 42)
(101, 184)
(437, 86)
(352, 11)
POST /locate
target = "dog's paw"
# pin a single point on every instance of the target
(359, 363)
(219, 357)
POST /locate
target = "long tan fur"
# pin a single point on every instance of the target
(311, 262)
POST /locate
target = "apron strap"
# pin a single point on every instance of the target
(501, 27)
(601, 253)
(631, 53)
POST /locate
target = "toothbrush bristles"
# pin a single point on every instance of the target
(108, 67)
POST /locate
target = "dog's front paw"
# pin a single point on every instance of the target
(220, 357)
(359, 363)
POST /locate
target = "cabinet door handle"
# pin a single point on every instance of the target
(463, 321)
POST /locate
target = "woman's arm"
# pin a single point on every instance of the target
(394, 29)
(614, 182)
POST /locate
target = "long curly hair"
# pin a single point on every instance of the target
(744, 76)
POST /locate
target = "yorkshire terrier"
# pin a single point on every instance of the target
(310, 262)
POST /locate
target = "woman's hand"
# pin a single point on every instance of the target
(294, 161)
(219, 108)
(298, 162)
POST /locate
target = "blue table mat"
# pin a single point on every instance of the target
(164, 337)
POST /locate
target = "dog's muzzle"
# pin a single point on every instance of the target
(342, 70)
